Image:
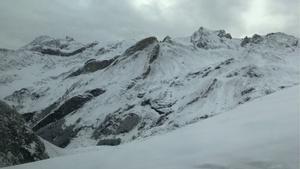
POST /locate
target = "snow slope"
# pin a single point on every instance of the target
(262, 134)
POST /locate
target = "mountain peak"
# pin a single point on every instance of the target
(45, 41)
(55, 46)
(274, 40)
(210, 39)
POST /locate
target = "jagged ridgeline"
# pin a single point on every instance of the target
(75, 94)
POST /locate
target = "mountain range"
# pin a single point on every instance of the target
(77, 95)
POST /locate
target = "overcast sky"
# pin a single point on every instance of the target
(106, 20)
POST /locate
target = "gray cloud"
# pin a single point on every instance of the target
(106, 20)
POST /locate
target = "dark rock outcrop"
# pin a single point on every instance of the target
(167, 39)
(205, 92)
(92, 65)
(251, 71)
(19, 96)
(102, 51)
(273, 40)
(128, 123)
(223, 34)
(246, 91)
(162, 108)
(109, 142)
(226, 62)
(61, 53)
(114, 125)
(4, 50)
(207, 39)
(59, 47)
(146, 73)
(154, 53)
(67, 107)
(245, 41)
(57, 133)
(17, 144)
(256, 39)
(140, 45)
(28, 117)
(205, 72)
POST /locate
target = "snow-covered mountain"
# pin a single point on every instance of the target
(263, 134)
(75, 95)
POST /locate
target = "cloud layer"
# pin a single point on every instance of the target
(106, 20)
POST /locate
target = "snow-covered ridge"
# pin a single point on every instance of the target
(263, 134)
(151, 86)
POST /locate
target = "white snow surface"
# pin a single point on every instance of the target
(52, 150)
(262, 134)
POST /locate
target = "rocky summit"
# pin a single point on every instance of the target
(76, 95)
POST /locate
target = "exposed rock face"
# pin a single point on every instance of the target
(52, 126)
(28, 117)
(128, 123)
(154, 54)
(62, 53)
(140, 45)
(19, 96)
(250, 71)
(3, 50)
(60, 47)
(274, 40)
(206, 39)
(57, 133)
(162, 104)
(245, 41)
(92, 66)
(167, 39)
(223, 34)
(67, 107)
(114, 125)
(254, 40)
(17, 144)
(109, 142)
